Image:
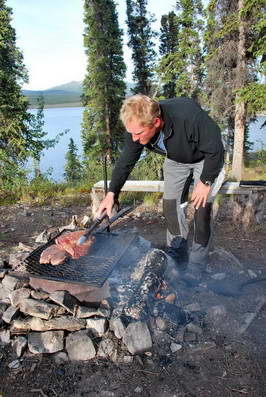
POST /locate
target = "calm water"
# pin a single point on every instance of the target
(60, 119)
(57, 120)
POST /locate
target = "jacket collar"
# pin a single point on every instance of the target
(168, 124)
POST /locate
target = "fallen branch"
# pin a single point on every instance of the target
(148, 372)
(237, 391)
(39, 391)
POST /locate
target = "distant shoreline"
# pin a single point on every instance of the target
(79, 105)
(61, 105)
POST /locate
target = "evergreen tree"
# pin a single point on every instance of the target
(168, 46)
(141, 42)
(14, 132)
(103, 86)
(73, 168)
(231, 68)
(185, 63)
(36, 124)
(254, 93)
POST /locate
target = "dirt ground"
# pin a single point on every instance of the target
(220, 363)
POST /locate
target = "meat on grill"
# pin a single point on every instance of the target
(54, 255)
(68, 242)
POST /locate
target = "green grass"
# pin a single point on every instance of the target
(42, 192)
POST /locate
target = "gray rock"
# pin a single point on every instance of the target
(4, 294)
(85, 312)
(194, 328)
(193, 307)
(9, 314)
(43, 237)
(174, 347)
(15, 259)
(161, 323)
(39, 295)
(104, 312)
(106, 348)
(38, 309)
(128, 359)
(179, 336)
(66, 323)
(5, 336)
(46, 342)
(60, 358)
(19, 295)
(252, 274)
(218, 276)
(97, 326)
(11, 283)
(25, 247)
(137, 338)
(64, 299)
(79, 346)
(19, 344)
(117, 325)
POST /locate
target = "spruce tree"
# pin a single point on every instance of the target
(231, 68)
(15, 141)
(103, 86)
(185, 63)
(36, 126)
(73, 168)
(168, 46)
(141, 42)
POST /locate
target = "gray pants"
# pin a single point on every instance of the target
(177, 180)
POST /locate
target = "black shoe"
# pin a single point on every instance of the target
(180, 258)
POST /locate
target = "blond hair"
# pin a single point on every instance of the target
(141, 108)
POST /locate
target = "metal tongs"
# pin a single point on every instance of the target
(99, 220)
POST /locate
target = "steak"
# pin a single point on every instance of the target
(54, 255)
(69, 243)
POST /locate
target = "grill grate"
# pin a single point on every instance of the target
(92, 269)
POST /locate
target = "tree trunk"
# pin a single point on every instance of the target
(240, 108)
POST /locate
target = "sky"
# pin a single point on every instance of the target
(50, 36)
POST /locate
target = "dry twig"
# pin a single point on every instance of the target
(39, 391)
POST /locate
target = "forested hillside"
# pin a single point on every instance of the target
(65, 94)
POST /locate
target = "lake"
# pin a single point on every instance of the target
(60, 119)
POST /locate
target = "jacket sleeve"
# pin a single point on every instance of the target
(125, 163)
(209, 141)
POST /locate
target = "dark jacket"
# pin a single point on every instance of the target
(189, 136)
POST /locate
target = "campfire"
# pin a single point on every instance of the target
(113, 303)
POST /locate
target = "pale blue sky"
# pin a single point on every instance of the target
(49, 33)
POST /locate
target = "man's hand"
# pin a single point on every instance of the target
(107, 204)
(200, 195)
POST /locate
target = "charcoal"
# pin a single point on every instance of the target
(172, 313)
